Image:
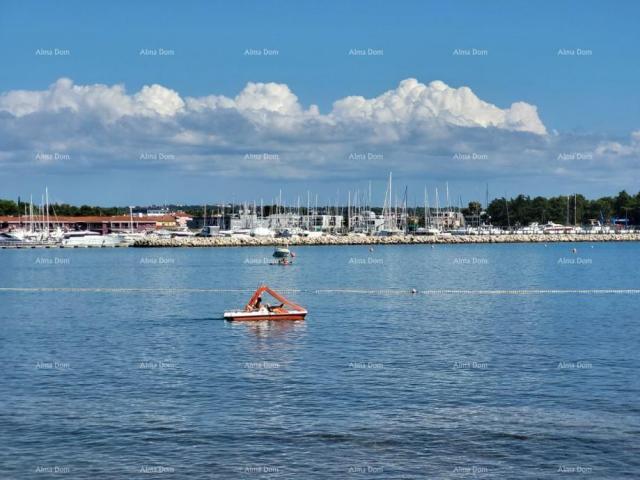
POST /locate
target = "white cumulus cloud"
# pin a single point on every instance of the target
(413, 102)
(410, 103)
(108, 102)
(415, 127)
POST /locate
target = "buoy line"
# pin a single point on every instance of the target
(608, 291)
(346, 291)
(132, 290)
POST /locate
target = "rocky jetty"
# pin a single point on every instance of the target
(247, 241)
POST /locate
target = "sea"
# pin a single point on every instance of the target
(414, 362)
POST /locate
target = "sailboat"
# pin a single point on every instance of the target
(389, 227)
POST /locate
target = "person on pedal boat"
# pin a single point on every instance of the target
(259, 306)
(275, 307)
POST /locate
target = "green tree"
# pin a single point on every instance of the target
(8, 207)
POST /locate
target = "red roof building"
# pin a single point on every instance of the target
(98, 223)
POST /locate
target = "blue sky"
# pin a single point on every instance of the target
(585, 102)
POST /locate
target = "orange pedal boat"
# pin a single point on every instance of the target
(256, 310)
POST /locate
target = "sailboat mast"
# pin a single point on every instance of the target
(308, 205)
(426, 191)
(425, 206)
(46, 189)
(42, 214)
(31, 213)
(448, 204)
(390, 195)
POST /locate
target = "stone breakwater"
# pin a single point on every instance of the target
(246, 241)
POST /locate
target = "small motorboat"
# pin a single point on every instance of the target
(281, 253)
(256, 309)
(283, 256)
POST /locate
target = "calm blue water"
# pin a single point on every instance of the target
(133, 384)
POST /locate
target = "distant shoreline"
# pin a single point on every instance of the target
(213, 242)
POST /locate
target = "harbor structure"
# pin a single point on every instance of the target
(102, 224)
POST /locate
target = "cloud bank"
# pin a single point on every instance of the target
(415, 128)
(411, 102)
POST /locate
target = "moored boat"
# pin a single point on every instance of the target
(87, 238)
(281, 252)
(261, 232)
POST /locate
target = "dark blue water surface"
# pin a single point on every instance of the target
(126, 384)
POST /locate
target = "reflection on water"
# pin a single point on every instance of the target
(269, 329)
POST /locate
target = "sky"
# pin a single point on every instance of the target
(203, 101)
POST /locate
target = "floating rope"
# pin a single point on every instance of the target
(134, 290)
(390, 291)
(608, 291)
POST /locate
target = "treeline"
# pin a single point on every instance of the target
(524, 210)
(521, 210)
(9, 207)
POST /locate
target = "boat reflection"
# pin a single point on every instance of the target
(272, 329)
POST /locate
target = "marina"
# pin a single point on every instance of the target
(309, 223)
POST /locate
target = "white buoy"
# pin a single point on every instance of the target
(413, 290)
